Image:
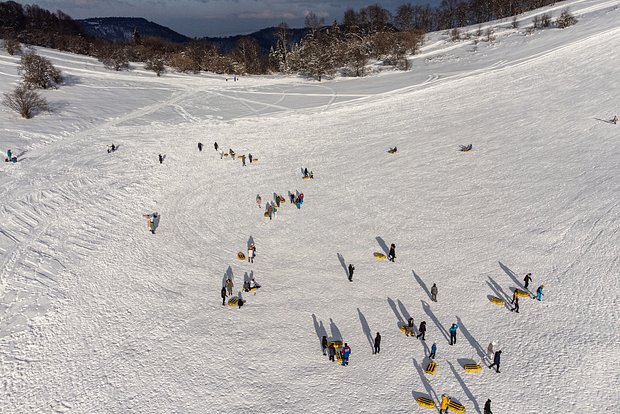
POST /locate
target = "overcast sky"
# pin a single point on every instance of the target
(197, 18)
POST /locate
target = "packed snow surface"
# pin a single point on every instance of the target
(98, 315)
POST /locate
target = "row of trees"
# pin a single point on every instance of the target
(371, 32)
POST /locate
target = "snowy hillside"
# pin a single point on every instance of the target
(97, 315)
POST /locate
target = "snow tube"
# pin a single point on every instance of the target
(240, 256)
(307, 178)
(425, 402)
(456, 407)
(431, 368)
(472, 367)
(497, 301)
(266, 214)
(379, 256)
(407, 330)
(522, 292)
(233, 301)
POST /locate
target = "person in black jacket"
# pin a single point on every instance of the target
(377, 343)
(331, 351)
(496, 361)
(487, 407)
(516, 308)
(223, 295)
(351, 269)
(422, 330)
(392, 253)
(324, 344)
(215, 146)
(527, 279)
(200, 146)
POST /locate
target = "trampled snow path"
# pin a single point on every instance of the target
(98, 315)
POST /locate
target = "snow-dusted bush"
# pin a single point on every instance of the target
(25, 101)
(566, 19)
(156, 65)
(38, 72)
(12, 46)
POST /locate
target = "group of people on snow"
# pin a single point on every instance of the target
(10, 157)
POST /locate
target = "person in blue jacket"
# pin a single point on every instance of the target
(9, 154)
(453, 329)
(346, 351)
(539, 293)
(433, 351)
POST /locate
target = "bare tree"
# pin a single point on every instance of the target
(25, 101)
(38, 72)
(566, 19)
(12, 45)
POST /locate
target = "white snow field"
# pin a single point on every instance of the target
(97, 315)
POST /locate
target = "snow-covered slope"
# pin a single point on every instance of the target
(97, 315)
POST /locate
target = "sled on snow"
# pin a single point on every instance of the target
(497, 301)
(240, 256)
(407, 330)
(456, 407)
(425, 402)
(465, 148)
(232, 302)
(520, 292)
(472, 367)
(379, 256)
(431, 368)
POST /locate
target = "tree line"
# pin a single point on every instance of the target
(371, 32)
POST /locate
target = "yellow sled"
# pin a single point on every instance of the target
(522, 292)
(379, 256)
(497, 301)
(233, 301)
(456, 407)
(307, 178)
(266, 214)
(240, 256)
(336, 344)
(425, 402)
(407, 330)
(431, 368)
(472, 367)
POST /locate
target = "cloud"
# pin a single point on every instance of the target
(267, 14)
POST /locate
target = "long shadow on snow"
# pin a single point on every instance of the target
(400, 322)
(604, 120)
(465, 388)
(512, 274)
(336, 335)
(343, 264)
(430, 313)
(427, 385)
(382, 244)
(499, 292)
(250, 242)
(228, 275)
(319, 329)
(403, 310)
(422, 284)
(473, 342)
(366, 329)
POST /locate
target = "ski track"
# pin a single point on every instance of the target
(71, 224)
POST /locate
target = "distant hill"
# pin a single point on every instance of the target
(120, 29)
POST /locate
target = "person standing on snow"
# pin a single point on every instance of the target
(229, 286)
(224, 295)
(351, 269)
(434, 293)
(324, 344)
(514, 296)
(453, 329)
(161, 159)
(251, 253)
(422, 330)
(615, 120)
(392, 253)
(200, 146)
(487, 407)
(259, 200)
(516, 302)
(527, 279)
(243, 160)
(270, 211)
(9, 154)
(250, 158)
(433, 351)
(305, 172)
(232, 153)
(221, 154)
(491, 350)
(539, 293)
(377, 343)
(443, 407)
(331, 352)
(215, 145)
(301, 198)
(346, 352)
(496, 361)
(410, 324)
